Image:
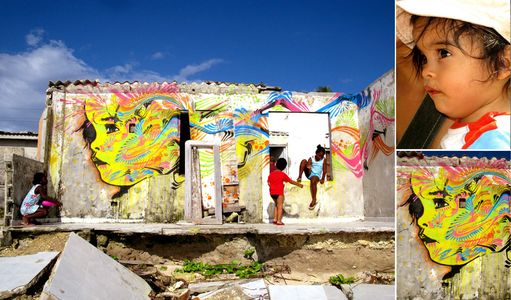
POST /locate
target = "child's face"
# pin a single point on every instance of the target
(320, 155)
(455, 79)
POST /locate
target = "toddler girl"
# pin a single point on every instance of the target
(461, 48)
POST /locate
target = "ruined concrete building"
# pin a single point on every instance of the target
(116, 151)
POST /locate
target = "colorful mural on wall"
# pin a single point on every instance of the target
(133, 136)
(131, 133)
(462, 213)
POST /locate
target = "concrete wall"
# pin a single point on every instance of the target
(377, 132)
(112, 151)
(453, 228)
(19, 174)
(8, 147)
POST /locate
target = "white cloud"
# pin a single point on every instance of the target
(190, 70)
(34, 36)
(24, 79)
(158, 55)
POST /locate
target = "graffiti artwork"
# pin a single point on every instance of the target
(132, 136)
(461, 213)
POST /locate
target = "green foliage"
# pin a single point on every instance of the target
(249, 253)
(340, 279)
(323, 89)
(114, 257)
(235, 267)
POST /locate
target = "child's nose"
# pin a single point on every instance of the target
(427, 71)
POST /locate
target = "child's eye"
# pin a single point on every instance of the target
(423, 59)
(443, 53)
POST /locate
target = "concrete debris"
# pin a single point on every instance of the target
(19, 273)
(232, 292)
(306, 292)
(374, 291)
(84, 272)
(179, 294)
(237, 290)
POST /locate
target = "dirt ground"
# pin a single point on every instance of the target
(290, 260)
(40, 243)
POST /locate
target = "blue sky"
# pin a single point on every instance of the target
(296, 45)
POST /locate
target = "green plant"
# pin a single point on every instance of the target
(323, 89)
(340, 279)
(242, 271)
(249, 253)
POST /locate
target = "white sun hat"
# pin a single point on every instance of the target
(490, 13)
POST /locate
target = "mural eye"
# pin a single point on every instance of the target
(462, 203)
(132, 127)
(110, 128)
(439, 203)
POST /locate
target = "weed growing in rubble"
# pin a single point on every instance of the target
(339, 279)
(235, 267)
(248, 253)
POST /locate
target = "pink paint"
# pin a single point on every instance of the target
(48, 203)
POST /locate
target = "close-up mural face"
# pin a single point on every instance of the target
(132, 138)
(461, 216)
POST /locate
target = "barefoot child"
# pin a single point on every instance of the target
(461, 49)
(36, 201)
(276, 181)
(314, 169)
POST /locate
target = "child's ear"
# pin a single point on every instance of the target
(505, 71)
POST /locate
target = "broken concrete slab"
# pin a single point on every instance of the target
(84, 272)
(374, 291)
(239, 289)
(305, 292)
(19, 273)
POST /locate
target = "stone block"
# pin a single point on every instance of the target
(305, 292)
(18, 273)
(374, 291)
(84, 272)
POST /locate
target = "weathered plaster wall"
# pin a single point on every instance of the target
(377, 131)
(453, 228)
(113, 150)
(7, 150)
(18, 176)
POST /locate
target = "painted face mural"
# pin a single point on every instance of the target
(132, 138)
(461, 216)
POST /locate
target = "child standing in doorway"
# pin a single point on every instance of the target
(36, 202)
(461, 50)
(314, 169)
(276, 181)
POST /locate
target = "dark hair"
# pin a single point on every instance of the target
(38, 178)
(320, 149)
(491, 41)
(281, 163)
